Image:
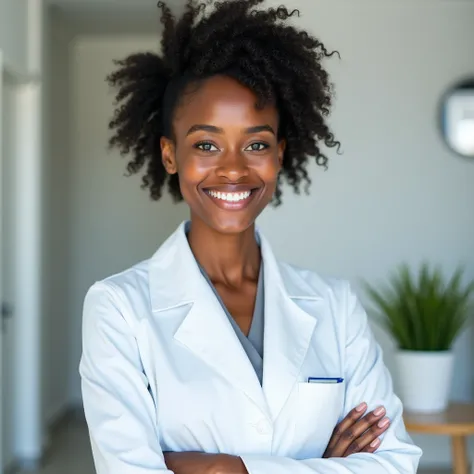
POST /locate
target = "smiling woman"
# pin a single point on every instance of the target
(213, 356)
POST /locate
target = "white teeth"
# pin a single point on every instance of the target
(230, 197)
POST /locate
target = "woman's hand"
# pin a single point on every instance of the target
(202, 463)
(357, 433)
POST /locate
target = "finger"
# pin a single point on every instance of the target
(372, 447)
(349, 437)
(369, 420)
(351, 418)
(370, 436)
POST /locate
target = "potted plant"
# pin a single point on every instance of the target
(424, 314)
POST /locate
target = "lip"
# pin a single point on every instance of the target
(231, 188)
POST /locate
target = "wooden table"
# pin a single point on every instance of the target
(457, 421)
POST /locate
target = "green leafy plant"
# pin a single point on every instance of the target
(423, 312)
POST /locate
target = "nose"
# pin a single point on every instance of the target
(232, 166)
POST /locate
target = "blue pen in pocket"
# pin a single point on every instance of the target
(325, 380)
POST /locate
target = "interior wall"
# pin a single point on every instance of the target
(396, 194)
(56, 307)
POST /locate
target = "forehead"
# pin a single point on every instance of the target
(222, 101)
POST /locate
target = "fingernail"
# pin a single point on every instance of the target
(374, 443)
(361, 407)
(379, 411)
(382, 423)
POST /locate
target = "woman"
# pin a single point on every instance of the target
(212, 356)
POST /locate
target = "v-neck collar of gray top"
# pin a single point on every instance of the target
(253, 343)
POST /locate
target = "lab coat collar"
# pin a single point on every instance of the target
(175, 278)
(176, 284)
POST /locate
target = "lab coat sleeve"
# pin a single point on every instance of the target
(367, 379)
(119, 409)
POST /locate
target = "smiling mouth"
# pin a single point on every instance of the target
(236, 200)
(229, 197)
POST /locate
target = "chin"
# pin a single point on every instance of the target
(231, 225)
(225, 222)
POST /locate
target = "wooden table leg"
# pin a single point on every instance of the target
(459, 454)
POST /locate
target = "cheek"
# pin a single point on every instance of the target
(191, 170)
(268, 170)
(191, 173)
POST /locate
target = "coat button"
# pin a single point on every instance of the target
(263, 427)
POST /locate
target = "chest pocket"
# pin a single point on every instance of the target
(317, 411)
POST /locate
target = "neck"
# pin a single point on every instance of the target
(227, 258)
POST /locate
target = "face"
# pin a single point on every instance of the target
(226, 153)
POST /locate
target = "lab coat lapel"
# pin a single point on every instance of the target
(207, 332)
(291, 309)
(176, 283)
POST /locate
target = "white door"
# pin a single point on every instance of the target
(6, 266)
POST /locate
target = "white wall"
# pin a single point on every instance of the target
(395, 195)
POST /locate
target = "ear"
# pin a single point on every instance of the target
(281, 151)
(168, 155)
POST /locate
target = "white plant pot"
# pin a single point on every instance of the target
(424, 380)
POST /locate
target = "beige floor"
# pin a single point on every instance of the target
(71, 453)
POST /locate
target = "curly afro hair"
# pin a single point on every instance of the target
(258, 48)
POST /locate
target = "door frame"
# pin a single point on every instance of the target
(22, 83)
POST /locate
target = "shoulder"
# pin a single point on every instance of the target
(309, 282)
(129, 281)
(124, 294)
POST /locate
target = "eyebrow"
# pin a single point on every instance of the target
(214, 129)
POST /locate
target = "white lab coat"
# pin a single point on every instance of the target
(163, 370)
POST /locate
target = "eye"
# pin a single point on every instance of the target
(206, 146)
(257, 146)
